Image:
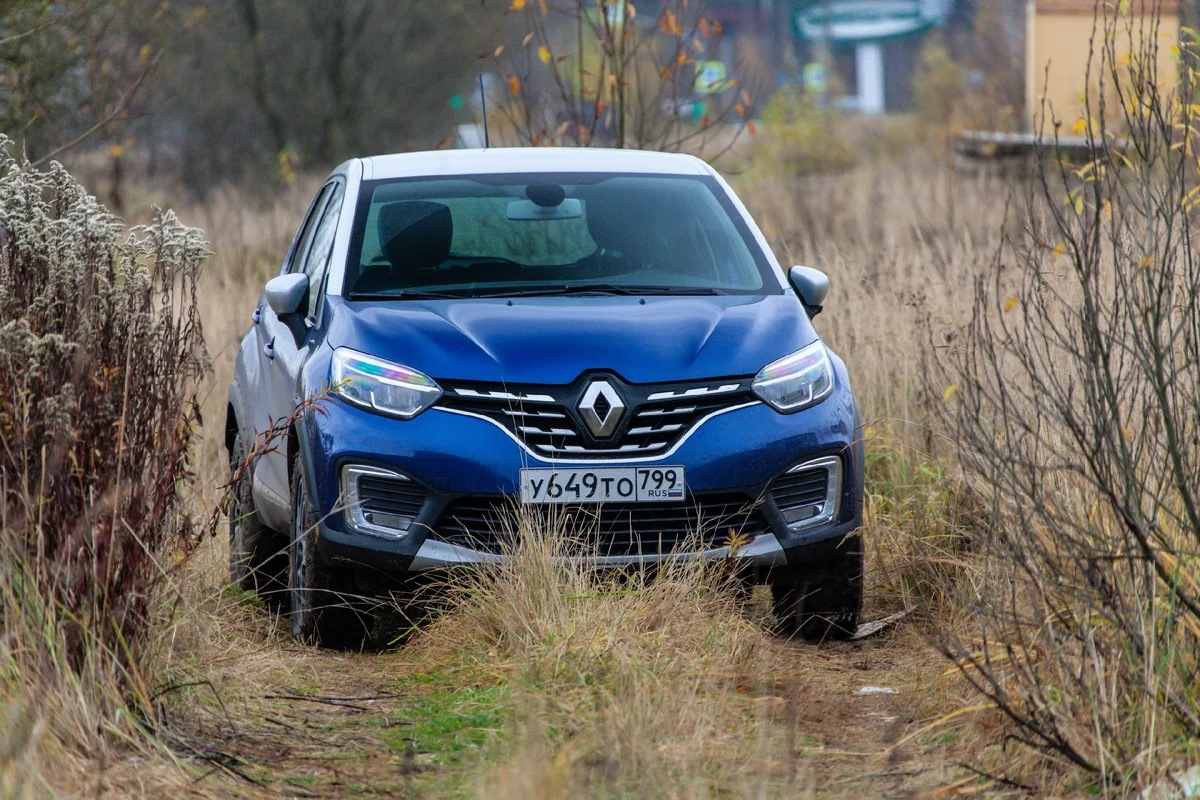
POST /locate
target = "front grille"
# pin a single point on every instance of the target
(808, 493)
(548, 420)
(616, 529)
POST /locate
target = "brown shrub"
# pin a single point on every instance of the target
(100, 353)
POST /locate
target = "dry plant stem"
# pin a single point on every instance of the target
(1078, 404)
(631, 95)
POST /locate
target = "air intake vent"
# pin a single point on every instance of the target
(390, 496)
(808, 494)
(380, 502)
(615, 529)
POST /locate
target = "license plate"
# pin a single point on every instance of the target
(603, 485)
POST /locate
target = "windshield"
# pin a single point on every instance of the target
(543, 234)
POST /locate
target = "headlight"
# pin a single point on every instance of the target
(797, 381)
(381, 386)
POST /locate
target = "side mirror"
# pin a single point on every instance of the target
(287, 293)
(812, 285)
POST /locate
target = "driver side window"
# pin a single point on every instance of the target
(317, 261)
(305, 235)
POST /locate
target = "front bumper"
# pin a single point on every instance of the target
(455, 457)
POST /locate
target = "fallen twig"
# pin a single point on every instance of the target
(340, 702)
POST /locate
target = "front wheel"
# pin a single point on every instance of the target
(827, 607)
(322, 612)
(258, 558)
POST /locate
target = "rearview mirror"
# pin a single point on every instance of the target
(812, 285)
(286, 293)
(529, 211)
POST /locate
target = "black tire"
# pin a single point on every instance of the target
(827, 607)
(323, 611)
(258, 558)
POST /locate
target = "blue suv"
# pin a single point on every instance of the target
(599, 334)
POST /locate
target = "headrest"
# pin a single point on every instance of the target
(622, 222)
(415, 234)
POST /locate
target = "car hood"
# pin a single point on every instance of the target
(555, 339)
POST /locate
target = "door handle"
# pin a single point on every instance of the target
(257, 315)
(269, 349)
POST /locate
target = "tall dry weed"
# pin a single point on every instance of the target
(101, 351)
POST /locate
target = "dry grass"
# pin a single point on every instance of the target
(621, 683)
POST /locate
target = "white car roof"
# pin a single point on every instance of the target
(529, 159)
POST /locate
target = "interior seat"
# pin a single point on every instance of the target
(415, 237)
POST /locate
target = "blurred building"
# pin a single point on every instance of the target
(1063, 59)
(873, 46)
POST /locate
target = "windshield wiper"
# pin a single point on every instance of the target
(680, 290)
(605, 288)
(408, 295)
(596, 289)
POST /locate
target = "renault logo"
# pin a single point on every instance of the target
(601, 408)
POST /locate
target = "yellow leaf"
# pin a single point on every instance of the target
(116, 151)
(1011, 303)
(1059, 249)
(544, 54)
(514, 85)
(517, 5)
(1080, 127)
(1079, 204)
(1189, 199)
(1146, 261)
(669, 25)
(144, 54)
(950, 390)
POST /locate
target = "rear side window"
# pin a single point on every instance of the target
(487, 234)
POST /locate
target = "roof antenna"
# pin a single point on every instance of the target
(487, 142)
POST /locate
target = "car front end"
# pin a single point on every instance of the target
(420, 472)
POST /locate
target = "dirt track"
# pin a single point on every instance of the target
(326, 724)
